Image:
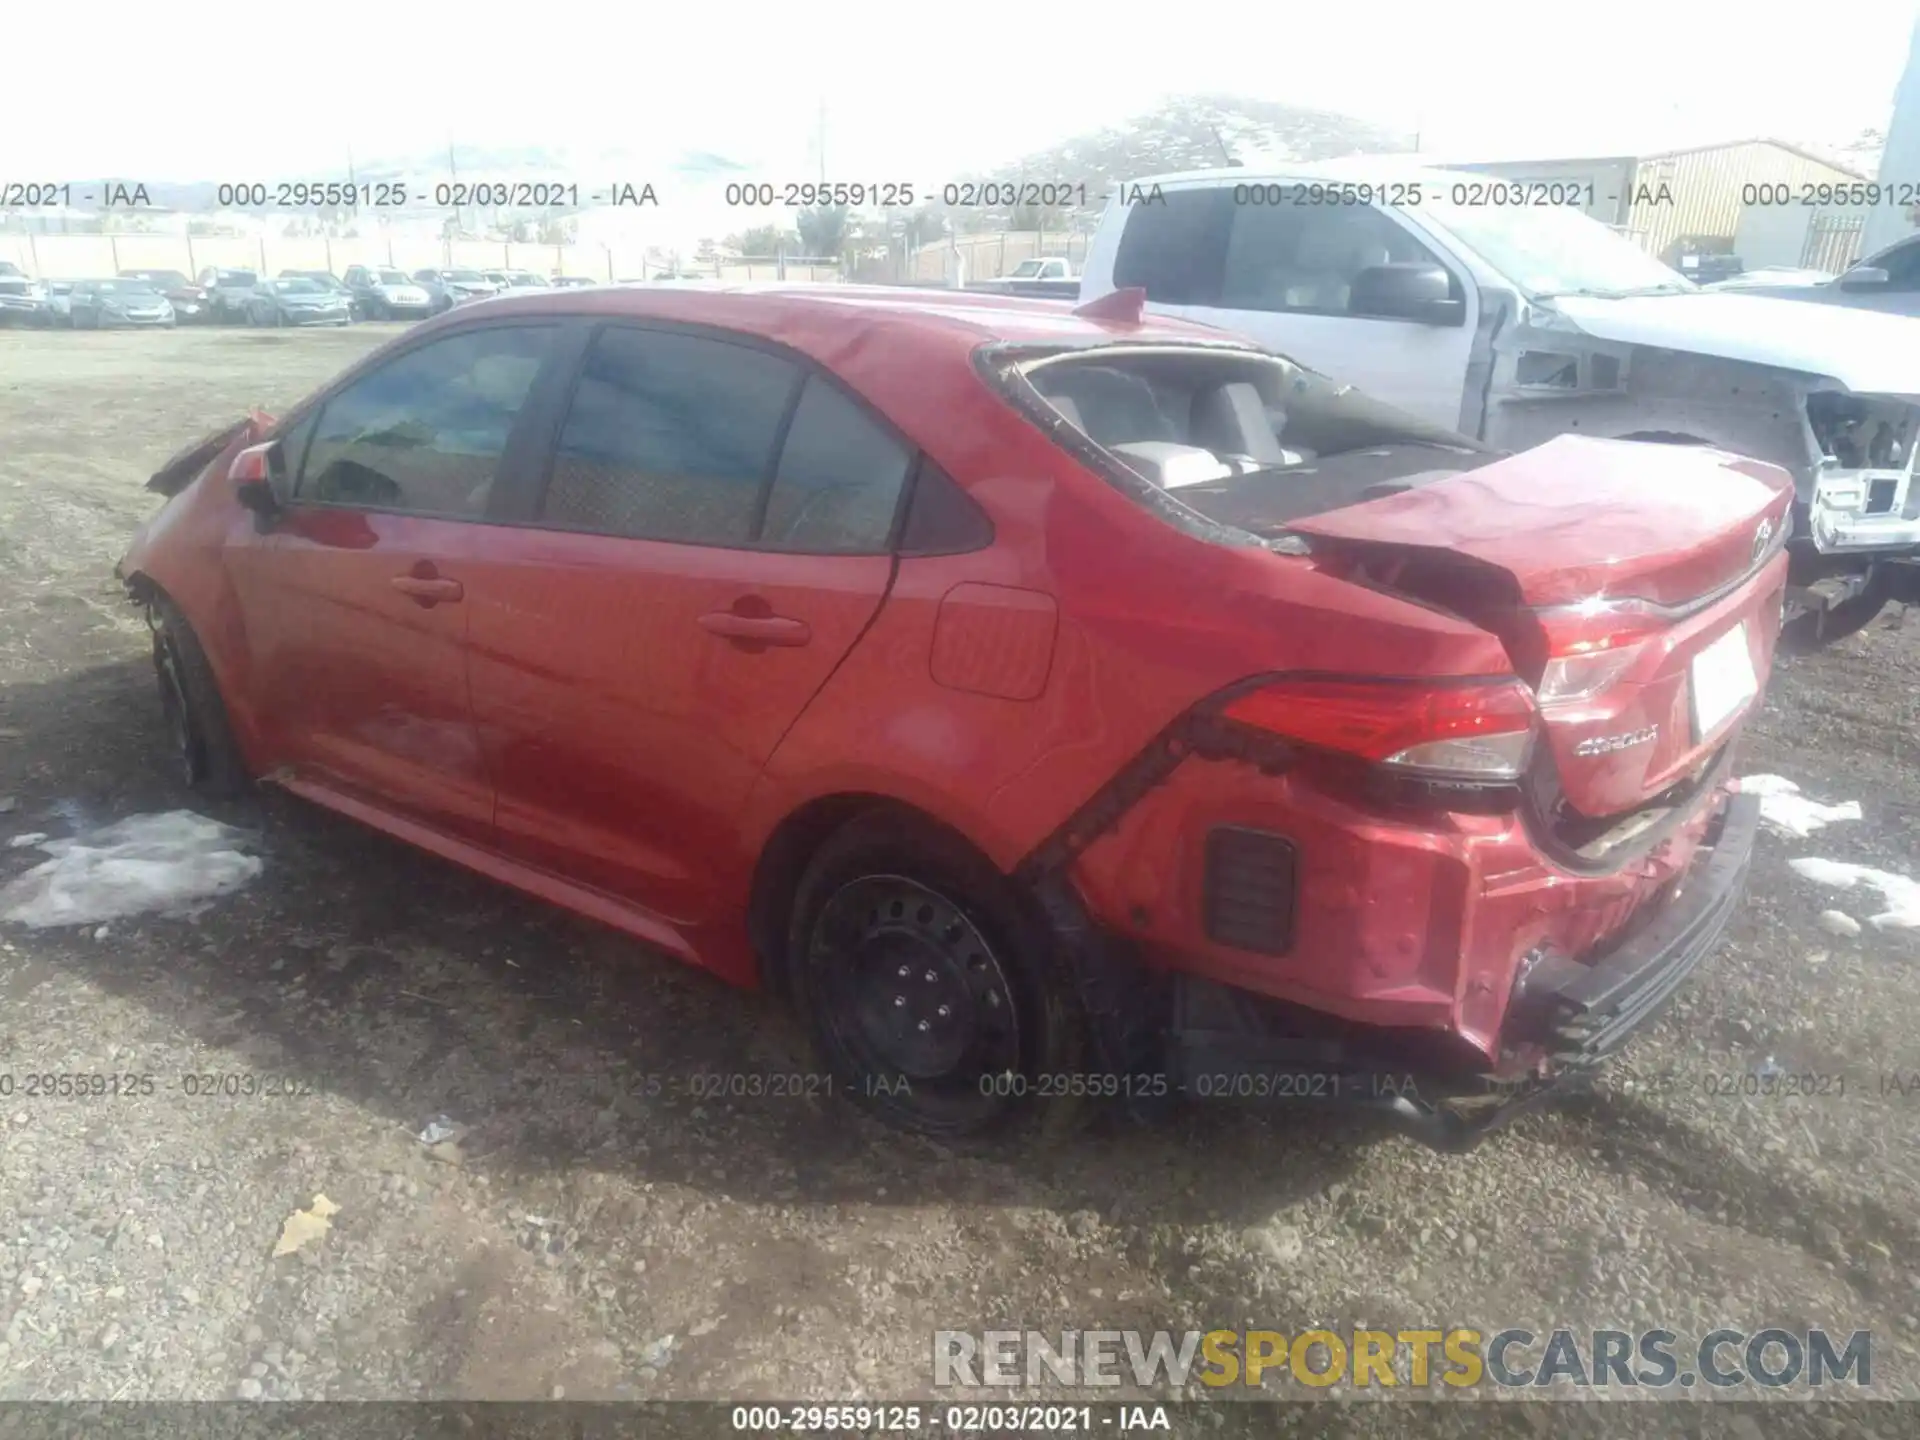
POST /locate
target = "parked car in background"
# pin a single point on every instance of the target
(1766, 275)
(227, 293)
(383, 293)
(1516, 323)
(100, 304)
(189, 300)
(7, 267)
(1255, 749)
(522, 280)
(59, 306)
(1046, 277)
(448, 288)
(22, 301)
(573, 282)
(296, 300)
(1887, 280)
(329, 282)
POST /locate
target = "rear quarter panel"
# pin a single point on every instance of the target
(1150, 621)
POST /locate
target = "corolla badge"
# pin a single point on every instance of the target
(1610, 744)
(1761, 537)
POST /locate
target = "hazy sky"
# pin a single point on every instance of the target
(911, 96)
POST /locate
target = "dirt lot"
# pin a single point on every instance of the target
(592, 1241)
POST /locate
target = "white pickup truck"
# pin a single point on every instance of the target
(1500, 309)
(1044, 276)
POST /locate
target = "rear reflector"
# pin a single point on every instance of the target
(1469, 732)
(1249, 890)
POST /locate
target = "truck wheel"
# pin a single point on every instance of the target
(928, 989)
(204, 750)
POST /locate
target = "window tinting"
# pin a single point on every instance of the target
(425, 433)
(1305, 257)
(942, 519)
(1173, 250)
(1902, 266)
(839, 479)
(669, 437)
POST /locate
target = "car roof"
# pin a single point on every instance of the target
(775, 310)
(1359, 169)
(911, 352)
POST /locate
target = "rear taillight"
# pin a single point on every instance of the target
(1589, 647)
(1477, 733)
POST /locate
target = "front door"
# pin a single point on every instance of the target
(356, 601)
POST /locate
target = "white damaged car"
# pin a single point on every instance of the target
(1501, 309)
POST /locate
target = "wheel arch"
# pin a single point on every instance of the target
(790, 847)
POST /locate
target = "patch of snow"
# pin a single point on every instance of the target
(1838, 922)
(166, 863)
(1785, 811)
(32, 837)
(1901, 894)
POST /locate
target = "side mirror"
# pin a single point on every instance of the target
(257, 482)
(1864, 277)
(1406, 291)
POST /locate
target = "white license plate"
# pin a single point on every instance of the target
(1723, 682)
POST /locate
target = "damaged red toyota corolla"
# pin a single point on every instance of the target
(1046, 703)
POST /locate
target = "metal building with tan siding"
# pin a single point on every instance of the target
(1695, 195)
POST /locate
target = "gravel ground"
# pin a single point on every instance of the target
(600, 1230)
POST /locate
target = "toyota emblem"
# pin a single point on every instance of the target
(1761, 537)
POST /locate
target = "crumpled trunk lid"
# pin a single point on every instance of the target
(1657, 568)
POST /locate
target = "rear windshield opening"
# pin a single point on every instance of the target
(1248, 440)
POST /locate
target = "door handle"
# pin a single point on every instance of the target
(428, 590)
(759, 629)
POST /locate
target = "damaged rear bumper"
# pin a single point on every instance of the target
(1219, 1043)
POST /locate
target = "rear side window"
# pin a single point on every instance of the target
(1174, 249)
(1306, 257)
(839, 479)
(669, 437)
(425, 433)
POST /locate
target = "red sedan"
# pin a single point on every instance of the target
(1048, 703)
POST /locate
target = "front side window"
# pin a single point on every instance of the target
(425, 434)
(1902, 264)
(669, 437)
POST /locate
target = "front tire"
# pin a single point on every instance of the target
(929, 988)
(205, 753)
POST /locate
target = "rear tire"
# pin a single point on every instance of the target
(929, 988)
(205, 753)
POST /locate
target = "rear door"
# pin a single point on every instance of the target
(356, 601)
(711, 536)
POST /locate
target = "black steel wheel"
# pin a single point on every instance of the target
(929, 991)
(204, 752)
(188, 750)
